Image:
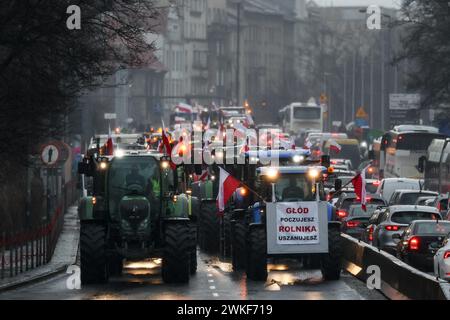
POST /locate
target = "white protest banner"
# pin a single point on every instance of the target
(297, 223)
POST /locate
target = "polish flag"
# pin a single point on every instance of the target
(359, 182)
(168, 147)
(336, 147)
(201, 177)
(183, 107)
(109, 147)
(227, 185)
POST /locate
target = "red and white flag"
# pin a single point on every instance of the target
(359, 182)
(308, 144)
(227, 185)
(184, 107)
(336, 147)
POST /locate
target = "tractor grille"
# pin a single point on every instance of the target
(134, 211)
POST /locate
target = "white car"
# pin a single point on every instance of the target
(442, 260)
(388, 186)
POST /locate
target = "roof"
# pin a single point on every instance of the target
(401, 180)
(415, 128)
(401, 208)
(290, 169)
(425, 192)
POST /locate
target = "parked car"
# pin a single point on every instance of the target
(442, 260)
(420, 241)
(388, 186)
(348, 198)
(357, 220)
(408, 197)
(395, 219)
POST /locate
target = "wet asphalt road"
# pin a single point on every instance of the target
(214, 280)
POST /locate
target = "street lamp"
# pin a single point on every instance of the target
(447, 140)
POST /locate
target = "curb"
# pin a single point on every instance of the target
(37, 278)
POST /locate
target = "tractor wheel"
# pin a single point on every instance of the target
(209, 226)
(177, 252)
(238, 245)
(94, 266)
(311, 261)
(257, 257)
(331, 261)
(193, 254)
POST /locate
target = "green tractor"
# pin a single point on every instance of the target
(138, 209)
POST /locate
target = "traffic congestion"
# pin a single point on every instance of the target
(233, 153)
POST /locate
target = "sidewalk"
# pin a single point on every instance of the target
(65, 254)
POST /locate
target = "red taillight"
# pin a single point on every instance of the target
(371, 233)
(342, 213)
(414, 243)
(392, 228)
(447, 254)
(376, 183)
(439, 205)
(353, 224)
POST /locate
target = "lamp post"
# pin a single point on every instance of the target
(238, 47)
(447, 140)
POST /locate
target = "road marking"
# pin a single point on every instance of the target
(210, 280)
(212, 287)
(215, 294)
(210, 275)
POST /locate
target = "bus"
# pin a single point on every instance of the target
(401, 149)
(296, 118)
(430, 166)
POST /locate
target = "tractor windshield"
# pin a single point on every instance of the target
(133, 176)
(291, 187)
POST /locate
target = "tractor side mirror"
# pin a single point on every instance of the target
(85, 168)
(325, 160)
(337, 184)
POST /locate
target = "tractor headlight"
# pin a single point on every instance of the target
(165, 164)
(313, 173)
(297, 158)
(103, 165)
(272, 173)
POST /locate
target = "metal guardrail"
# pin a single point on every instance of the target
(398, 280)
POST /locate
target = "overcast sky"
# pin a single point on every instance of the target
(337, 3)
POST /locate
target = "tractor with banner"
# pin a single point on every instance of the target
(138, 209)
(287, 217)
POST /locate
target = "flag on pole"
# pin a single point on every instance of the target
(359, 182)
(227, 185)
(308, 144)
(336, 147)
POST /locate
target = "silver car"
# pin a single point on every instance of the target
(395, 219)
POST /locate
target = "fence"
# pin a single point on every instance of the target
(24, 249)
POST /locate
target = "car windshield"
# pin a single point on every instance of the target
(406, 217)
(371, 188)
(410, 197)
(357, 210)
(432, 228)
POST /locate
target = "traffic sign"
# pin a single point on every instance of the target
(361, 113)
(50, 154)
(110, 116)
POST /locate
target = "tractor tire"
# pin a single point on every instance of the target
(193, 252)
(312, 261)
(209, 226)
(177, 253)
(94, 263)
(257, 258)
(331, 265)
(238, 245)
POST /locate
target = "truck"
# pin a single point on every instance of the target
(138, 209)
